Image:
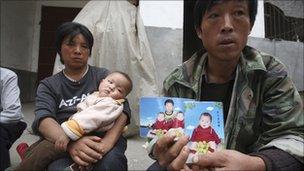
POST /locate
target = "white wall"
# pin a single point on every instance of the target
(162, 13)
(258, 29)
(17, 20)
(170, 14)
(20, 31)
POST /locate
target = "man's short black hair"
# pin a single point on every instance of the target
(72, 29)
(169, 101)
(201, 6)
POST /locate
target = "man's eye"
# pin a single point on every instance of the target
(239, 13)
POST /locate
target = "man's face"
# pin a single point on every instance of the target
(205, 122)
(224, 30)
(169, 107)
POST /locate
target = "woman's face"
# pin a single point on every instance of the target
(75, 52)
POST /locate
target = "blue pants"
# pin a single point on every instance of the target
(156, 167)
(115, 159)
(9, 133)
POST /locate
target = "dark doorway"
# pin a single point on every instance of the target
(51, 18)
(191, 42)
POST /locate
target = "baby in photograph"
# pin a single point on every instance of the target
(204, 138)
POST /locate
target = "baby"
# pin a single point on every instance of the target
(97, 112)
(100, 109)
(204, 132)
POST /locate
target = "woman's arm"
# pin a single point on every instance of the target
(112, 135)
(50, 129)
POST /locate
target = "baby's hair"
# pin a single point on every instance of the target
(127, 77)
(206, 114)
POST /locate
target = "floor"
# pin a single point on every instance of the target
(136, 154)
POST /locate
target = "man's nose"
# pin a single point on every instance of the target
(227, 25)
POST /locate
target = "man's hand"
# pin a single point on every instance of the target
(85, 150)
(62, 142)
(171, 154)
(227, 160)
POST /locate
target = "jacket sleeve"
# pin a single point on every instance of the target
(10, 102)
(282, 110)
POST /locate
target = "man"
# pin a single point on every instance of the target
(263, 111)
(11, 124)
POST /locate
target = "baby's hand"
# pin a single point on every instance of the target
(212, 144)
(62, 142)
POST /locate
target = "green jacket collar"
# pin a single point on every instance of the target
(190, 72)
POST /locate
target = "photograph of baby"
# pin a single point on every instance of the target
(206, 127)
(202, 121)
(159, 116)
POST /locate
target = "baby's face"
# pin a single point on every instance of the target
(205, 122)
(161, 117)
(114, 85)
(180, 116)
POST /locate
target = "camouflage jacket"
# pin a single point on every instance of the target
(265, 109)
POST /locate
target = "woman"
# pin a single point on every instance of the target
(58, 95)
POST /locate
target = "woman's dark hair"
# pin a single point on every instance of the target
(169, 101)
(201, 6)
(72, 29)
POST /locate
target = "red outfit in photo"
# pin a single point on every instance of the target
(205, 134)
(178, 123)
(160, 125)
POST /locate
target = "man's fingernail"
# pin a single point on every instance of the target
(195, 159)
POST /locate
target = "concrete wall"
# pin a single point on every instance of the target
(288, 52)
(20, 34)
(166, 45)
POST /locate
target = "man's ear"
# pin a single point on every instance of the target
(198, 32)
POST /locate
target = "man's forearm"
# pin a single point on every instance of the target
(50, 129)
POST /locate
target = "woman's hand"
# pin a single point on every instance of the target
(171, 154)
(105, 146)
(227, 160)
(62, 142)
(85, 150)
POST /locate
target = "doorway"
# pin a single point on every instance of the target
(191, 42)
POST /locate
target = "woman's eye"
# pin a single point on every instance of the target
(213, 15)
(86, 47)
(70, 43)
